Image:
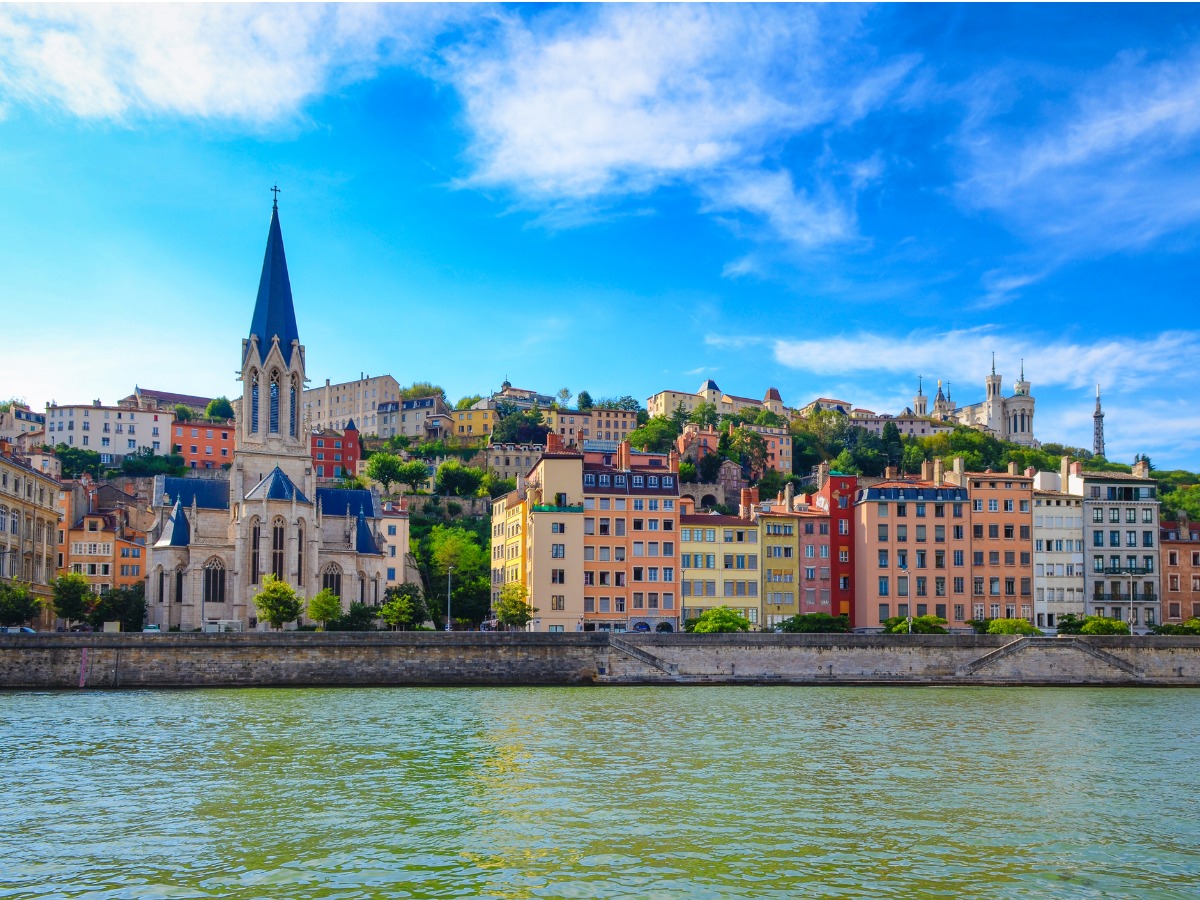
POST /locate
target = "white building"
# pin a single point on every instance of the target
(112, 431)
(1058, 563)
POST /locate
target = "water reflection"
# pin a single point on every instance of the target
(622, 792)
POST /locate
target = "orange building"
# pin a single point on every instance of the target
(1001, 542)
(103, 535)
(630, 540)
(204, 443)
(911, 546)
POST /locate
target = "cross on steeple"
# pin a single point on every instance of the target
(275, 200)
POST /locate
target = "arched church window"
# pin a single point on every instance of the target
(254, 401)
(273, 421)
(179, 585)
(277, 534)
(362, 588)
(162, 581)
(214, 581)
(300, 554)
(255, 537)
(331, 579)
(292, 407)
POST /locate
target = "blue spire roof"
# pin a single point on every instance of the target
(176, 532)
(276, 486)
(364, 540)
(274, 313)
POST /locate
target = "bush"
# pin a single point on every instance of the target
(1103, 625)
(721, 620)
(1013, 626)
(1190, 627)
(920, 625)
(815, 623)
(1069, 623)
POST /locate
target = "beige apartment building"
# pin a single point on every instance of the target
(665, 403)
(333, 405)
(29, 522)
(112, 431)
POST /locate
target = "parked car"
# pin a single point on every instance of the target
(17, 629)
(151, 629)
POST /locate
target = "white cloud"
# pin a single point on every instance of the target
(625, 99)
(252, 63)
(1114, 168)
(964, 355)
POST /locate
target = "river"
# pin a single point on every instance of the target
(646, 792)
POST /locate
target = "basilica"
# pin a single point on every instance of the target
(1007, 418)
(216, 539)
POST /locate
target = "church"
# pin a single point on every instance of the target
(1007, 418)
(216, 539)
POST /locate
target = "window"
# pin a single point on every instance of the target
(558, 551)
(331, 579)
(214, 582)
(255, 543)
(277, 549)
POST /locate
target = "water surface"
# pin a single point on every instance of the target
(647, 792)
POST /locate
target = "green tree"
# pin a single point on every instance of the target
(679, 418)
(277, 602)
(1103, 625)
(75, 461)
(844, 463)
(913, 457)
(513, 610)
(18, 605)
(720, 620)
(183, 413)
(749, 449)
(520, 427)
(422, 389)
(495, 486)
(458, 547)
(456, 480)
(687, 472)
(359, 617)
(656, 436)
(324, 607)
(583, 400)
(920, 625)
(145, 462)
(769, 419)
(414, 474)
(1069, 623)
(771, 484)
(404, 606)
(124, 605)
(385, 468)
(705, 414)
(219, 408)
(71, 597)
(1012, 626)
(563, 396)
(468, 401)
(708, 468)
(815, 623)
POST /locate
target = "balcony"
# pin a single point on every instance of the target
(1128, 570)
(1124, 598)
(549, 507)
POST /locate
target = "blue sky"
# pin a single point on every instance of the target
(623, 199)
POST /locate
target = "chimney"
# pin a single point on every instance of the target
(891, 473)
(553, 443)
(789, 494)
(1077, 469)
(749, 499)
(939, 472)
(1030, 471)
(521, 484)
(1141, 469)
(959, 468)
(623, 456)
(1012, 468)
(673, 460)
(822, 474)
(927, 470)
(1064, 469)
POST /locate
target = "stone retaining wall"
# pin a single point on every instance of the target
(342, 658)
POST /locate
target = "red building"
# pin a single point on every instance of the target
(836, 495)
(336, 453)
(204, 443)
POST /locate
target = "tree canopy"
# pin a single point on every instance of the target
(18, 605)
(324, 607)
(920, 625)
(183, 413)
(656, 436)
(385, 468)
(1012, 626)
(719, 620)
(124, 605)
(403, 606)
(219, 408)
(520, 426)
(468, 401)
(71, 597)
(815, 623)
(512, 609)
(277, 602)
(456, 480)
(422, 389)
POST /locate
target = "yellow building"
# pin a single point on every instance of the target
(711, 548)
(508, 541)
(781, 562)
(554, 541)
(28, 522)
(478, 421)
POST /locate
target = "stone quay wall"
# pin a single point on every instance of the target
(107, 661)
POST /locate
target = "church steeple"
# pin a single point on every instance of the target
(274, 313)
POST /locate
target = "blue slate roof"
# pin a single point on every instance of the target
(276, 486)
(274, 313)
(208, 493)
(339, 501)
(176, 532)
(364, 540)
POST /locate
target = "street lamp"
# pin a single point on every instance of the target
(1131, 602)
(449, 569)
